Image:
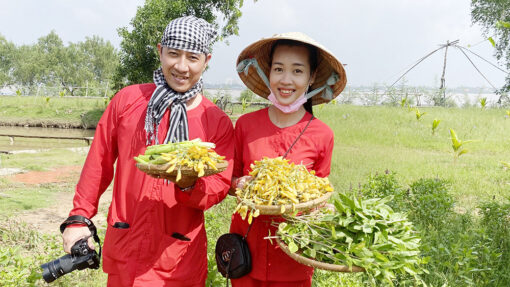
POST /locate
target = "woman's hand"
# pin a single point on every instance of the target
(239, 182)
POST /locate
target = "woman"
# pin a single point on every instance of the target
(301, 73)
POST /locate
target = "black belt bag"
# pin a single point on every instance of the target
(233, 256)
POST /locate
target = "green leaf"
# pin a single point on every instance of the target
(381, 257)
(293, 247)
(456, 144)
(435, 123)
(367, 228)
(502, 24)
(492, 42)
(313, 253)
(333, 232)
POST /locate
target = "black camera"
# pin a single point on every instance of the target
(81, 257)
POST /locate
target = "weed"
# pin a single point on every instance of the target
(483, 103)
(418, 114)
(457, 145)
(435, 124)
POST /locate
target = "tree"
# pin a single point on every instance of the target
(247, 95)
(494, 17)
(27, 67)
(101, 58)
(48, 62)
(7, 50)
(139, 55)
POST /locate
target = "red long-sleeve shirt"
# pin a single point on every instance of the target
(257, 137)
(145, 254)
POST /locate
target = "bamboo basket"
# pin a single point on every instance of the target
(317, 264)
(159, 170)
(303, 206)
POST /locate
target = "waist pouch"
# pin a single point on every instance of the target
(233, 256)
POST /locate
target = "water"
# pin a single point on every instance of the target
(38, 143)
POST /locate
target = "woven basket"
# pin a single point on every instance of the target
(303, 206)
(317, 264)
(159, 170)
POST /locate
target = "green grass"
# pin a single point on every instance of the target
(31, 110)
(15, 198)
(44, 160)
(375, 139)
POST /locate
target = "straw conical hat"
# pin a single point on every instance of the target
(327, 63)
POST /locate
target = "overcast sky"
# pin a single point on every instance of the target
(378, 40)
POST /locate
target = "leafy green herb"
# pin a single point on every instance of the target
(361, 232)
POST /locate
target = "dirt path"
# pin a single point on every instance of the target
(48, 219)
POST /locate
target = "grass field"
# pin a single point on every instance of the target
(375, 139)
(368, 141)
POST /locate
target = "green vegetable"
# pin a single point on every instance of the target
(361, 232)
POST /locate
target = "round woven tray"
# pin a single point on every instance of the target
(276, 209)
(316, 264)
(159, 170)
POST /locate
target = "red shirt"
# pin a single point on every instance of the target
(255, 137)
(145, 254)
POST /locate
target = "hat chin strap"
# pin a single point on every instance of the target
(328, 91)
(244, 66)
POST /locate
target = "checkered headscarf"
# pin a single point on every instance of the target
(189, 34)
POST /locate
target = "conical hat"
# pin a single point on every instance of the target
(327, 63)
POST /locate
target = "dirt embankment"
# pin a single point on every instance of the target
(42, 123)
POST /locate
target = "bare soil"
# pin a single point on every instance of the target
(48, 219)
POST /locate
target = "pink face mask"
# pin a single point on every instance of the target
(289, 108)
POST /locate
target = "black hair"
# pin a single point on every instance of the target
(312, 59)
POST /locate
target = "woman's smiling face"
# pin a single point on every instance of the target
(290, 74)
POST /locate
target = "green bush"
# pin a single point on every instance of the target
(495, 241)
(429, 203)
(384, 185)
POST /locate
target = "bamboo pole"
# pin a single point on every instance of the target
(442, 86)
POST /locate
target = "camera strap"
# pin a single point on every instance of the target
(78, 219)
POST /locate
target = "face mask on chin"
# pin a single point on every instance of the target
(288, 108)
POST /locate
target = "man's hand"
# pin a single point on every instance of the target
(72, 234)
(184, 181)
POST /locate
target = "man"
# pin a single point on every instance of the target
(155, 234)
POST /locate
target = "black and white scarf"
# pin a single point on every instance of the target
(163, 98)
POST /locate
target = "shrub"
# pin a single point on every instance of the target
(429, 202)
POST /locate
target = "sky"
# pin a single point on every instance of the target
(376, 40)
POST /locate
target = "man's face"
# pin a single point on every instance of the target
(182, 69)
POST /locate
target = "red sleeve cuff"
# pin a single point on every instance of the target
(185, 196)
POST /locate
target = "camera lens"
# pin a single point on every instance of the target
(52, 270)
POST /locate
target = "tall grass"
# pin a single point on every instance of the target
(374, 139)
